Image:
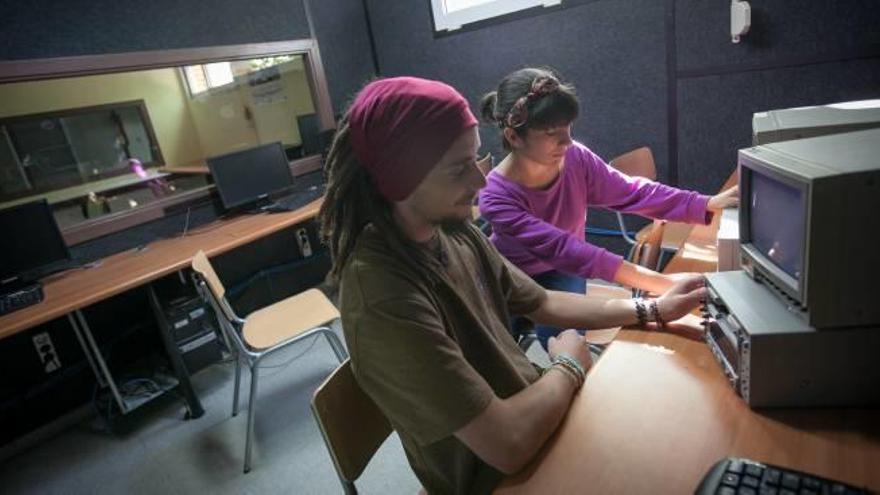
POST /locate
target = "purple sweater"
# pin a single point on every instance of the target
(543, 230)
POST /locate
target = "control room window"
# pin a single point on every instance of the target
(450, 15)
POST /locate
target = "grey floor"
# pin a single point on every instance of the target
(161, 453)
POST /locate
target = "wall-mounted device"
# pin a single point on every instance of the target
(740, 19)
(772, 358)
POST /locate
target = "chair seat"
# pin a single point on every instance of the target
(674, 235)
(286, 319)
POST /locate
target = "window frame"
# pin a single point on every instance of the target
(452, 21)
(83, 65)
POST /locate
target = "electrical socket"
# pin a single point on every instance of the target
(302, 238)
(46, 351)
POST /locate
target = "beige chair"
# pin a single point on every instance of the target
(485, 165)
(640, 163)
(352, 425)
(264, 331)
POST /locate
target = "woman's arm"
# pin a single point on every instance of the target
(556, 247)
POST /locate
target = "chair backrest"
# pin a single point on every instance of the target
(647, 253)
(485, 164)
(637, 163)
(202, 266)
(352, 425)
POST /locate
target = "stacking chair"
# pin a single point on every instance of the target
(352, 425)
(264, 331)
(485, 165)
(640, 163)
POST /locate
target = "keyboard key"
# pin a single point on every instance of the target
(768, 490)
(754, 470)
(744, 490)
(790, 481)
(772, 476)
(786, 491)
(805, 491)
(730, 479)
(751, 481)
(735, 466)
(811, 484)
(726, 490)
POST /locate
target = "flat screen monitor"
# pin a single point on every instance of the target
(250, 175)
(777, 221)
(31, 240)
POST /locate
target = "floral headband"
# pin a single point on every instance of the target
(519, 112)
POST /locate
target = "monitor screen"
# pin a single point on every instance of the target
(776, 225)
(31, 239)
(248, 175)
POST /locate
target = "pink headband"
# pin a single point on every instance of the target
(401, 127)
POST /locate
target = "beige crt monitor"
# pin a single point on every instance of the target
(810, 225)
(804, 122)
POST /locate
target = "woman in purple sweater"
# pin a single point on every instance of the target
(536, 199)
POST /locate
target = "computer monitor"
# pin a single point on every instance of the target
(31, 241)
(821, 120)
(250, 175)
(810, 225)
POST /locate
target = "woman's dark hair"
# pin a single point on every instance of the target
(530, 98)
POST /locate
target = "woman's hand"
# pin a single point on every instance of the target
(685, 295)
(724, 199)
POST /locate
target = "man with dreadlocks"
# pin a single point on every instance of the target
(426, 300)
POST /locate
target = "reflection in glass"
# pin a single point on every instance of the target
(97, 145)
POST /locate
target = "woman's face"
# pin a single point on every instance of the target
(546, 146)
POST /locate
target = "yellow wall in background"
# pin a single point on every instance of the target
(234, 118)
(161, 89)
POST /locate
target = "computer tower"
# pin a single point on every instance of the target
(772, 358)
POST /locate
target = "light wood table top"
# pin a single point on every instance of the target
(78, 288)
(656, 412)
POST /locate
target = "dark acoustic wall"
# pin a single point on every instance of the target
(614, 52)
(55, 28)
(341, 30)
(796, 53)
(661, 73)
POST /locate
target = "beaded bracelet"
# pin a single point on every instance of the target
(565, 371)
(641, 312)
(655, 313)
(572, 364)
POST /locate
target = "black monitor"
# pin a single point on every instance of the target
(31, 241)
(250, 175)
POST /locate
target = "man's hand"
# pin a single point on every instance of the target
(682, 297)
(572, 343)
(725, 199)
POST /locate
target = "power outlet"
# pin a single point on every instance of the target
(302, 238)
(46, 351)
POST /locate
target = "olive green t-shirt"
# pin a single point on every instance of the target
(433, 351)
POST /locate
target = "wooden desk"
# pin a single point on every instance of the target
(67, 293)
(656, 412)
(78, 288)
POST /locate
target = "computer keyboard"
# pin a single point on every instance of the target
(296, 200)
(738, 476)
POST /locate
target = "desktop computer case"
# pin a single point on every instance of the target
(777, 360)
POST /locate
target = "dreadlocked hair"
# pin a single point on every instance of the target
(351, 202)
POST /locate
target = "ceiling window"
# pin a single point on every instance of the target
(450, 15)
